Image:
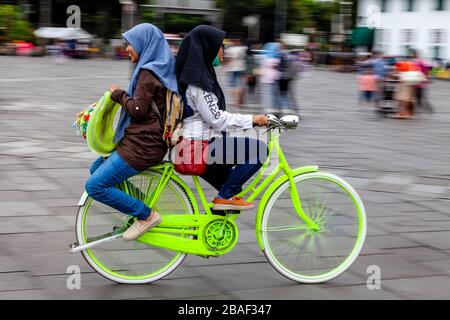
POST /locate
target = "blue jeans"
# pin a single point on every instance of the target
(269, 95)
(232, 162)
(284, 100)
(236, 79)
(101, 186)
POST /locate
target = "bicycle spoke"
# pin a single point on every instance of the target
(306, 254)
(131, 261)
(287, 228)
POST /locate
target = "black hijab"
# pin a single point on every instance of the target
(195, 58)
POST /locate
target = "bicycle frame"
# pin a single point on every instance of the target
(253, 191)
(191, 226)
(185, 229)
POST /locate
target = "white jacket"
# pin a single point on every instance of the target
(208, 120)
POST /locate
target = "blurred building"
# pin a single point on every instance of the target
(204, 8)
(408, 24)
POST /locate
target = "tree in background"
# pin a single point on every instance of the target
(170, 22)
(101, 18)
(311, 14)
(13, 26)
(234, 11)
(300, 14)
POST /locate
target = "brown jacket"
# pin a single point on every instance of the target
(143, 145)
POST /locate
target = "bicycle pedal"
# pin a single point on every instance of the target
(233, 212)
(73, 245)
(224, 213)
(218, 212)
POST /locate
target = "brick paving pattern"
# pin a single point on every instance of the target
(400, 168)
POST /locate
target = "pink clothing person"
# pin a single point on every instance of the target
(423, 67)
(368, 86)
(270, 73)
(367, 82)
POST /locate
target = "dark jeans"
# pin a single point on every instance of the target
(232, 162)
(102, 186)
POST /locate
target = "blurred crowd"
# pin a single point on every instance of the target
(395, 87)
(264, 74)
(58, 49)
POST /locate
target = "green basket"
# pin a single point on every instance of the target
(100, 131)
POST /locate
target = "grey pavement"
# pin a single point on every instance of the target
(400, 168)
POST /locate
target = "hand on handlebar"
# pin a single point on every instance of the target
(260, 120)
(289, 122)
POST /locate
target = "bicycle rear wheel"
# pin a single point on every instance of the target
(131, 262)
(305, 255)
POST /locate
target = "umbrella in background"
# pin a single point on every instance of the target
(62, 33)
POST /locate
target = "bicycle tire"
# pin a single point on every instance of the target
(108, 260)
(282, 210)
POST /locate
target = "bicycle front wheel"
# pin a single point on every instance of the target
(131, 262)
(314, 256)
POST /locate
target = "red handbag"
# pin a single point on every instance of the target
(191, 157)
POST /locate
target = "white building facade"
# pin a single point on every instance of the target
(403, 24)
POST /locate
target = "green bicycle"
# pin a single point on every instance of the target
(310, 225)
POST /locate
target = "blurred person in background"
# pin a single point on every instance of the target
(236, 56)
(379, 66)
(290, 67)
(53, 49)
(287, 73)
(139, 131)
(305, 57)
(368, 85)
(363, 61)
(388, 90)
(251, 71)
(301, 68)
(208, 119)
(56, 50)
(422, 88)
(270, 75)
(406, 94)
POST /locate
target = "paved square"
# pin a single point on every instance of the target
(400, 168)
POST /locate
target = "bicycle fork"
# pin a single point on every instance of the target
(298, 205)
(294, 193)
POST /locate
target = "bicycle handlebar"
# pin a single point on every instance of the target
(289, 122)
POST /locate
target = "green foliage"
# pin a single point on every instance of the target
(13, 26)
(171, 22)
(310, 14)
(235, 10)
(174, 22)
(300, 14)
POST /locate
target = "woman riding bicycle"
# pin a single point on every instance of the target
(139, 131)
(300, 207)
(207, 118)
